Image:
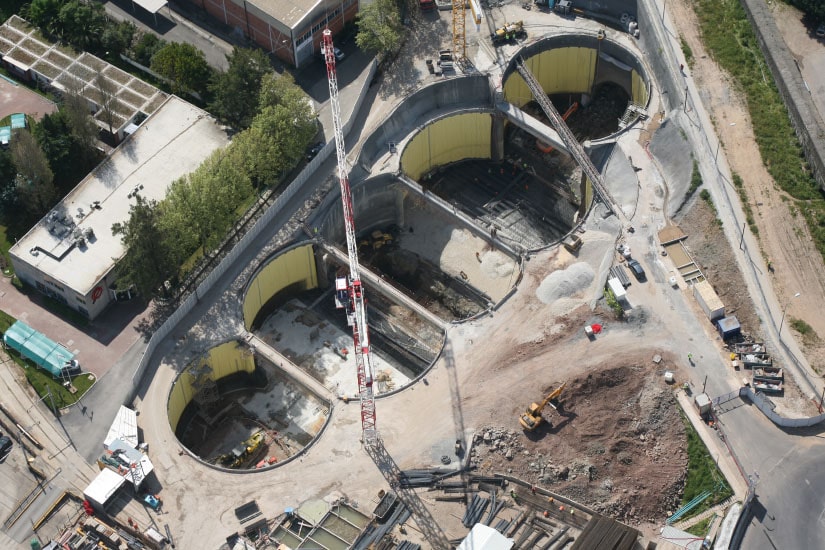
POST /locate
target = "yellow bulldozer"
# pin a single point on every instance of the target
(531, 418)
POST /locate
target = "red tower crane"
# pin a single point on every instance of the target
(349, 292)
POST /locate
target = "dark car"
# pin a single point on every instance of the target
(637, 269)
(5, 447)
(314, 149)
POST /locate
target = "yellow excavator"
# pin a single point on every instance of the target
(531, 419)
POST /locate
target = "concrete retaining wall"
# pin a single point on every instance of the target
(422, 106)
(804, 116)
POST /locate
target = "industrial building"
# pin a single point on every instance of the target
(71, 254)
(288, 29)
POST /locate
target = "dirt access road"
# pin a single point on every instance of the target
(783, 236)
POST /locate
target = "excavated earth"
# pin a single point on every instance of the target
(617, 444)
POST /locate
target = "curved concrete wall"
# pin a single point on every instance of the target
(295, 269)
(450, 139)
(225, 359)
(377, 202)
(571, 64)
(426, 104)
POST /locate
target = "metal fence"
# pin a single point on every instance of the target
(254, 232)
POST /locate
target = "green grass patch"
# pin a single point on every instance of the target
(704, 194)
(746, 206)
(686, 51)
(702, 475)
(731, 41)
(695, 179)
(43, 382)
(6, 321)
(701, 528)
(809, 335)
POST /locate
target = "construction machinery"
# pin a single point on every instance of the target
(509, 33)
(532, 418)
(353, 301)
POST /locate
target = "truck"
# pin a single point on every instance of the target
(509, 33)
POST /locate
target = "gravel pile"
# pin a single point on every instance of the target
(565, 283)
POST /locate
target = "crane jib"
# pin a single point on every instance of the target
(355, 302)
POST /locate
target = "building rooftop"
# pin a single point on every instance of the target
(289, 12)
(74, 244)
(23, 46)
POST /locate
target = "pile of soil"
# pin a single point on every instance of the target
(617, 444)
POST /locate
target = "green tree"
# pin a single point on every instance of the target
(67, 158)
(82, 24)
(9, 197)
(151, 259)
(83, 128)
(235, 91)
(280, 90)
(117, 38)
(205, 201)
(35, 180)
(145, 47)
(379, 27)
(45, 15)
(184, 66)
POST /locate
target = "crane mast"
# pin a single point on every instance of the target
(349, 292)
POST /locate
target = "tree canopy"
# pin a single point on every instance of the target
(379, 27)
(35, 180)
(235, 91)
(150, 259)
(184, 66)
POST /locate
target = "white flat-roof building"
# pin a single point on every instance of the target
(71, 253)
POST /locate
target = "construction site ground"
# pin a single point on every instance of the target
(620, 440)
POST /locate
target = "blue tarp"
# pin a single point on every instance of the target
(18, 120)
(44, 352)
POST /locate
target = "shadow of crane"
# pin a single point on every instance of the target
(423, 518)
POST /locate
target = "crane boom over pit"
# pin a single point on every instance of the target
(349, 292)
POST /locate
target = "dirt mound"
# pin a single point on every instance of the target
(616, 444)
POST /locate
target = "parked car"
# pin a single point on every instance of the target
(820, 31)
(637, 269)
(5, 447)
(314, 149)
(339, 55)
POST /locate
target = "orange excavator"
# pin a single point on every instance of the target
(546, 147)
(531, 418)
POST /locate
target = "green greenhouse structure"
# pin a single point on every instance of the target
(41, 350)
